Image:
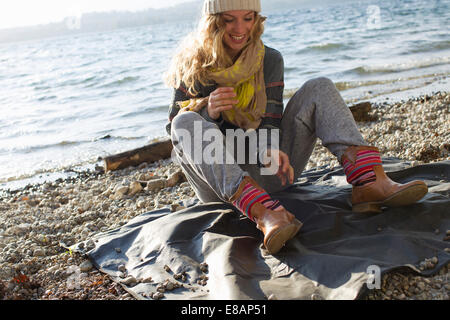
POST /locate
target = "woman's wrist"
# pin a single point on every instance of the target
(205, 114)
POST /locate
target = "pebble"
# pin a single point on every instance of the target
(155, 185)
(204, 267)
(39, 252)
(316, 296)
(129, 281)
(135, 188)
(401, 297)
(170, 286)
(119, 192)
(421, 286)
(141, 204)
(174, 207)
(177, 276)
(161, 288)
(53, 268)
(158, 296)
(86, 266)
(122, 190)
(167, 269)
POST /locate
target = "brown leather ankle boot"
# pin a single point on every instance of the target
(371, 197)
(277, 226)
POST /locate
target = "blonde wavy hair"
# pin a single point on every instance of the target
(204, 49)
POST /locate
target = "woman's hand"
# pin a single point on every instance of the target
(285, 171)
(221, 99)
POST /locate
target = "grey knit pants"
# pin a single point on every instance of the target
(317, 110)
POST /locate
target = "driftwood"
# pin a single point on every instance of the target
(361, 111)
(149, 153)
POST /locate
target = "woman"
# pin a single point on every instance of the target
(225, 78)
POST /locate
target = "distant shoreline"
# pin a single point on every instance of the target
(101, 22)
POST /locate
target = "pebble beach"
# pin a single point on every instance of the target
(39, 222)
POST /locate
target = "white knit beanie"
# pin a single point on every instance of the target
(217, 6)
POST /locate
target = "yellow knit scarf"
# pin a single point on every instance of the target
(246, 76)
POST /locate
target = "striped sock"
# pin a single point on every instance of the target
(251, 195)
(360, 172)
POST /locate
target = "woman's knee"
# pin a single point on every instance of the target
(184, 125)
(185, 120)
(319, 83)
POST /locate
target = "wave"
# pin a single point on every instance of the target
(290, 68)
(149, 110)
(323, 47)
(42, 175)
(38, 88)
(68, 143)
(327, 46)
(19, 75)
(26, 176)
(399, 67)
(89, 63)
(120, 82)
(109, 137)
(428, 47)
(347, 85)
(89, 79)
(45, 98)
(162, 108)
(28, 149)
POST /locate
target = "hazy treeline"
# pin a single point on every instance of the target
(104, 21)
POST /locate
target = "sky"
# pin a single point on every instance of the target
(18, 13)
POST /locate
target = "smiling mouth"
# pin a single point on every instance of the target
(237, 39)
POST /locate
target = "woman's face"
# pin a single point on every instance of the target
(238, 25)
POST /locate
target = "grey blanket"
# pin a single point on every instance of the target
(336, 255)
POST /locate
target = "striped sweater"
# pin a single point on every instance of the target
(274, 81)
